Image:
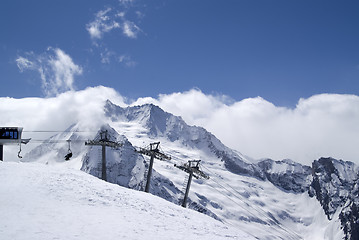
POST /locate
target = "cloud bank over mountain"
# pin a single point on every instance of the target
(322, 125)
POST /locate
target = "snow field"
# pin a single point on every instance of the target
(48, 202)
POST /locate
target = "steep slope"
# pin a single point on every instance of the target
(47, 202)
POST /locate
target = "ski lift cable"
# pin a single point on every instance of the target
(55, 141)
(251, 213)
(54, 131)
(236, 194)
(246, 210)
(241, 199)
(173, 154)
(226, 184)
(222, 181)
(175, 159)
(259, 210)
(226, 222)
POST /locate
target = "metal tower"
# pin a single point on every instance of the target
(191, 167)
(104, 142)
(153, 152)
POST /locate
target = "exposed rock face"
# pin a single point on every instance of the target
(349, 218)
(286, 174)
(335, 185)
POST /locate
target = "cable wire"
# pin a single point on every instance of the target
(53, 131)
(259, 210)
(238, 196)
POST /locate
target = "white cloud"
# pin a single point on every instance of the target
(55, 113)
(64, 70)
(127, 60)
(126, 3)
(103, 23)
(121, 14)
(57, 70)
(106, 56)
(94, 30)
(130, 29)
(322, 125)
(107, 20)
(140, 15)
(24, 64)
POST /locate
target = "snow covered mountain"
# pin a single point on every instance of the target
(267, 199)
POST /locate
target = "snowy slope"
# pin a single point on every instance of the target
(262, 199)
(45, 202)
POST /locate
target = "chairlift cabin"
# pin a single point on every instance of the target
(11, 135)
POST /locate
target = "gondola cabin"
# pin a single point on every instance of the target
(10, 135)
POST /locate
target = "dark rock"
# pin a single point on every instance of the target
(335, 185)
(286, 174)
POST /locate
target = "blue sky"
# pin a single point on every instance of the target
(279, 50)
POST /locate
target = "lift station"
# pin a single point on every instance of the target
(11, 135)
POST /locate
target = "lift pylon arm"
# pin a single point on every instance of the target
(199, 174)
(157, 155)
(104, 143)
(192, 167)
(153, 151)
